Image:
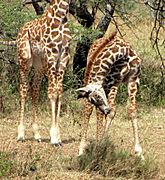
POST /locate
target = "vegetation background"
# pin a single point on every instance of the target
(139, 23)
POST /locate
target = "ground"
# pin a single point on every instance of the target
(35, 160)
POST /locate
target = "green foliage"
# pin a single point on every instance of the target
(13, 16)
(152, 89)
(5, 164)
(106, 160)
(82, 34)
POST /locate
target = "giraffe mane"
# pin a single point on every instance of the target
(92, 55)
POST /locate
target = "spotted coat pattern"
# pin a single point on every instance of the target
(110, 62)
(44, 45)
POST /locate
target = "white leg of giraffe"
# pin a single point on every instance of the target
(132, 91)
(55, 130)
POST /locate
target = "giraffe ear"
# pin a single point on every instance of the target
(83, 92)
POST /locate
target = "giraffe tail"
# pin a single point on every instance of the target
(8, 43)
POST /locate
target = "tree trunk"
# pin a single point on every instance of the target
(80, 57)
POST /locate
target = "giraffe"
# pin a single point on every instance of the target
(110, 62)
(43, 44)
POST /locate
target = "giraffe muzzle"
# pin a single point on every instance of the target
(105, 111)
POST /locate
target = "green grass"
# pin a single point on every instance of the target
(6, 164)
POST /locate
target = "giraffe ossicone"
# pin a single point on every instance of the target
(110, 62)
(43, 44)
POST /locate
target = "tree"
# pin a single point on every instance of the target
(157, 8)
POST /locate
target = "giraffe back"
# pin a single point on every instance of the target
(95, 49)
(111, 60)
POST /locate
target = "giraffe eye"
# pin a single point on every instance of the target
(97, 100)
(93, 101)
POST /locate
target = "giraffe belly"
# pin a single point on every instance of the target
(38, 58)
(37, 49)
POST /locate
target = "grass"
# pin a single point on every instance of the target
(104, 159)
(112, 159)
(5, 164)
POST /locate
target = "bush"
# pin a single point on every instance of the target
(106, 160)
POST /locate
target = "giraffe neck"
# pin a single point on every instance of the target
(58, 9)
(108, 61)
(56, 33)
(94, 62)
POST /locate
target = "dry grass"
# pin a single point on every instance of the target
(33, 160)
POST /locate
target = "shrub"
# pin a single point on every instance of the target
(106, 160)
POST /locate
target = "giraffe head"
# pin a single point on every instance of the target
(96, 95)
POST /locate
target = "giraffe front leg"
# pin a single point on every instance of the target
(108, 121)
(57, 84)
(111, 101)
(87, 113)
(55, 93)
(132, 91)
(55, 130)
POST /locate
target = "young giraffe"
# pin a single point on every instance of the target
(44, 44)
(110, 61)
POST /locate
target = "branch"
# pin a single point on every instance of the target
(8, 43)
(106, 19)
(158, 24)
(82, 14)
(38, 9)
(7, 61)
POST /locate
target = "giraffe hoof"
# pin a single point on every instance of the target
(21, 139)
(39, 140)
(57, 144)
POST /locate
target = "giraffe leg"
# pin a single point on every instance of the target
(87, 113)
(35, 96)
(23, 94)
(99, 132)
(56, 100)
(109, 118)
(55, 130)
(132, 91)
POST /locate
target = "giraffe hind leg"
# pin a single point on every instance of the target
(24, 71)
(35, 96)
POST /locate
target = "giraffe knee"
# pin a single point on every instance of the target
(131, 113)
